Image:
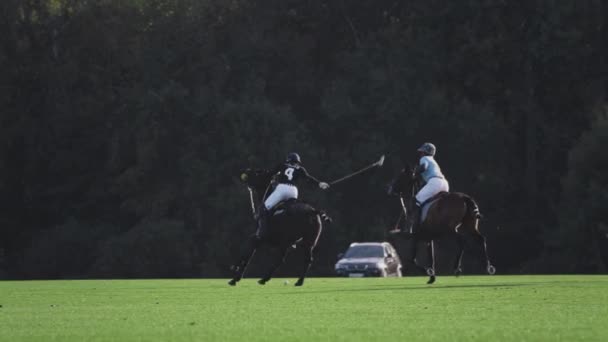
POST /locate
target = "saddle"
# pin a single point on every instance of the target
(283, 206)
(293, 206)
(428, 204)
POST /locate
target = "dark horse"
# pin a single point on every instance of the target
(291, 223)
(451, 213)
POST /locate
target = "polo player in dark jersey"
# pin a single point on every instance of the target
(286, 175)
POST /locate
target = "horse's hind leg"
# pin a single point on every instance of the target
(307, 262)
(458, 262)
(239, 269)
(275, 266)
(309, 242)
(481, 240)
(430, 247)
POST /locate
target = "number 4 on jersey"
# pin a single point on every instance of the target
(289, 173)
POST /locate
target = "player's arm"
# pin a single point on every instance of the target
(273, 172)
(312, 179)
(421, 167)
(277, 169)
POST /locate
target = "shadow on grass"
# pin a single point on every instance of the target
(419, 287)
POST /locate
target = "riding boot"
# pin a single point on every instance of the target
(414, 217)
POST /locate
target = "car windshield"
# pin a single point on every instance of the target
(364, 252)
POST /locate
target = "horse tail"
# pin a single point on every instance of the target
(472, 207)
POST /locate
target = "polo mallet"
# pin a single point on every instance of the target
(396, 227)
(244, 178)
(378, 163)
(404, 208)
(251, 201)
(403, 214)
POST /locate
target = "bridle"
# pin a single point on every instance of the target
(414, 186)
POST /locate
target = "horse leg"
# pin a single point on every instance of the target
(481, 240)
(307, 262)
(413, 253)
(430, 248)
(239, 269)
(309, 242)
(458, 263)
(275, 266)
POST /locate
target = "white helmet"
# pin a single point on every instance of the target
(428, 148)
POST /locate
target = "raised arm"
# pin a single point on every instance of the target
(312, 179)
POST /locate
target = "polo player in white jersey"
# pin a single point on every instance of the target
(434, 180)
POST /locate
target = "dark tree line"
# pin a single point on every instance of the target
(125, 123)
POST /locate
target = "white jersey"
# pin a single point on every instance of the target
(429, 168)
(434, 179)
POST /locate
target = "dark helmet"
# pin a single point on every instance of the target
(293, 157)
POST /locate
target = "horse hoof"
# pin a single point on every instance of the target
(430, 272)
(262, 282)
(491, 270)
(458, 272)
(431, 280)
(299, 283)
(232, 282)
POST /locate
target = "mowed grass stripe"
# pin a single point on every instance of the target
(471, 308)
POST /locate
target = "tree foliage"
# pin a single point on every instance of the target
(583, 230)
(126, 123)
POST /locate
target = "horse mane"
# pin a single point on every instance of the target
(258, 179)
(403, 182)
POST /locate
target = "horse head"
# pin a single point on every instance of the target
(256, 179)
(404, 183)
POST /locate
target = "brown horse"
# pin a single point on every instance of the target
(451, 213)
(291, 223)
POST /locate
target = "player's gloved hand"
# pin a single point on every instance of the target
(323, 185)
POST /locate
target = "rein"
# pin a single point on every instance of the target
(267, 190)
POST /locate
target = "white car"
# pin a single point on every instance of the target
(369, 259)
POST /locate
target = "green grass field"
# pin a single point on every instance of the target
(514, 308)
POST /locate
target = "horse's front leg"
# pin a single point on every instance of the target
(282, 256)
(430, 271)
(413, 254)
(239, 269)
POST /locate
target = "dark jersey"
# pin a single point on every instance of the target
(291, 174)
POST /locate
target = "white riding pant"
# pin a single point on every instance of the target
(434, 186)
(281, 193)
